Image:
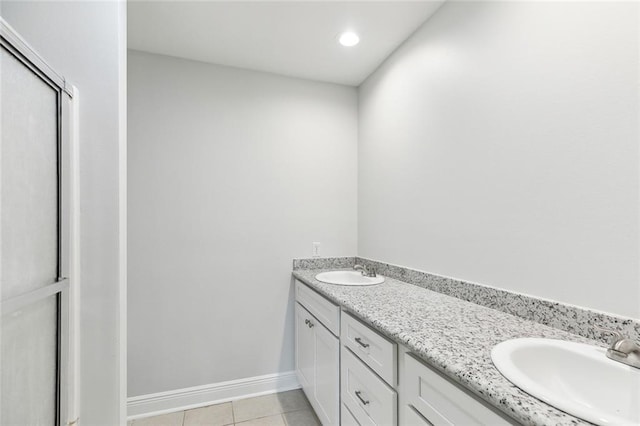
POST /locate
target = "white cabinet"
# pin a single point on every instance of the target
(327, 384)
(326, 312)
(305, 347)
(370, 380)
(431, 399)
(375, 350)
(317, 365)
(370, 400)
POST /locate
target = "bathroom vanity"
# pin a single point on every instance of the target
(354, 375)
(402, 354)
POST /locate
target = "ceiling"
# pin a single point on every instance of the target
(293, 38)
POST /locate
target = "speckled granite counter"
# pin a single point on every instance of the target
(452, 335)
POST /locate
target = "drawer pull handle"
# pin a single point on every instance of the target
(359, 341)
(358, 393)
(310, 324)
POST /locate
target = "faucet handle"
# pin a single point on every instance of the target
(617, 336)
(622, 350)
(362, 268)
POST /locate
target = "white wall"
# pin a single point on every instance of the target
(500, 145)
(84, 42)
(232, 173)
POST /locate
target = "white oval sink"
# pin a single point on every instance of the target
(573, 377)
(348, 278)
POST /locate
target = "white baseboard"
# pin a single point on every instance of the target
(200, 396)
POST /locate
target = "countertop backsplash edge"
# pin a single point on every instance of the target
(563, 316)
(324, 263)
(566, 317)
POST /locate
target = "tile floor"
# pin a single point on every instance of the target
(280, 409)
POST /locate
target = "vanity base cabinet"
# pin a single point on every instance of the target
(355, 376)
(317, 354)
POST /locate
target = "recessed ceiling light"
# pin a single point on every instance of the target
(348, 39)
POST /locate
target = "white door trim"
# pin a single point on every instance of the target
(74, 262)
(122, 209)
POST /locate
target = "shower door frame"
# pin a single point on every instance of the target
(66, 286)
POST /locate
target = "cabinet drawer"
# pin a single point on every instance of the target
(440, 401)
(346, 418)
(373, 349)
(326, 312)
(369, 398)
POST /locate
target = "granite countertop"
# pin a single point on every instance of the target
(451, 335)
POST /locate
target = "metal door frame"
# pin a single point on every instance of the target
(15, 45)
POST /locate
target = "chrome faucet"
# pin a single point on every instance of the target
(367, 272)
(622, 349)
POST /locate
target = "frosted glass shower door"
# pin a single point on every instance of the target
(33, 292)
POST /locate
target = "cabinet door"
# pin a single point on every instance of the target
(327, 379)
(442, 402)
(305, 348)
